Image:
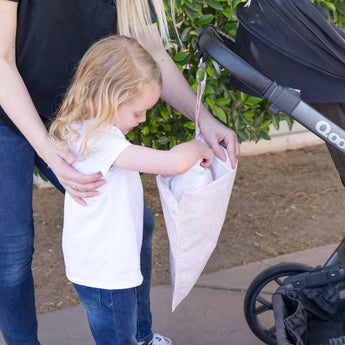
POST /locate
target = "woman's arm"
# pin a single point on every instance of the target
(176, 161)
(24, 115)
(178, 93)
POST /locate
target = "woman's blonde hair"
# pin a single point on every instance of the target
(112, 72)
(135, 16)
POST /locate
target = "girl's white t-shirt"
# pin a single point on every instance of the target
(102, 241)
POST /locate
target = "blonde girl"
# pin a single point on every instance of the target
(41, 41)
(116, 82)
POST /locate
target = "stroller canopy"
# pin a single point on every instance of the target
(294, 43)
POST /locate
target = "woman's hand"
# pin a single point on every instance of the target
(216, 134)
(79, 186)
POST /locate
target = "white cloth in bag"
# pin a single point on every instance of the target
(194, 206)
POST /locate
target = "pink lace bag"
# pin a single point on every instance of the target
(194, 206)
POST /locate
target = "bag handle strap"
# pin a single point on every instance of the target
(200, 91)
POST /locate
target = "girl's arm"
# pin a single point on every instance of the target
(24, 114)
(178, 93)
(173, 162)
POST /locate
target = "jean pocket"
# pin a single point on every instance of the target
(90, 297)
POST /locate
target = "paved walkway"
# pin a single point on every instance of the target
(212, 314)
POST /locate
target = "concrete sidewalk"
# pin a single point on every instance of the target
(212, 314)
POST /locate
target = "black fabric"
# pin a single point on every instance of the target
(52, 36)
(309, 316)
(294, 43)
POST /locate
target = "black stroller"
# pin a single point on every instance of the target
(289, 52)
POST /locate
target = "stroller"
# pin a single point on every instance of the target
(289, 53)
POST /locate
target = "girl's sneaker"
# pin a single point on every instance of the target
(159, 340)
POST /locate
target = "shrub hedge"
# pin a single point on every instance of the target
(247, 116)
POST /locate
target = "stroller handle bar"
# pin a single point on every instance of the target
(283, 99)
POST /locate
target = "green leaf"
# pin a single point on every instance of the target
(38, 172)
(253, 100)
(209, 89)
(210, 71)
(258, 121)
(146, 130)
(264, 135)
(265, 124)
(275, 121)
(191, 4)
(145, 140)
(209, 101)
(249, 114)
(191, 13)
(130, 135)
(219, 113)
(178, 3)
(330, 5)
(242, 135)
(227, 13)
(167, 127)
(180, 56)
(189, 125)
(165, 113)
(238, 122)
(163, 140)
(185, 33)
(214, 4)
(222, 101)
(204, 20)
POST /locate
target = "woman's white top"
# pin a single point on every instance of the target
(102, 241)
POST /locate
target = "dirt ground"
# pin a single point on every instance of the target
(280, 203)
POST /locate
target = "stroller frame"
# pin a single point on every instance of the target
(219, 47)
(284, 99)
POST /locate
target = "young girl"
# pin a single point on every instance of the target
(116, 82)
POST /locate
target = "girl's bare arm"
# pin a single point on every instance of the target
(173, 162)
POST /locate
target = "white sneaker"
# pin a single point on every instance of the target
(159, 340)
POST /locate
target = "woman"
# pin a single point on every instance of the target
(40, 43)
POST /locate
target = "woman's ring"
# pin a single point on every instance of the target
(74, 187)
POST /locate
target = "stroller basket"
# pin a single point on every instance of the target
(311, 315)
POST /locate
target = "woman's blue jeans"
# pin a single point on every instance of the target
(18, 322)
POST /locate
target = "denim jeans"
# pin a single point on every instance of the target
(112, 314)
(18, 322)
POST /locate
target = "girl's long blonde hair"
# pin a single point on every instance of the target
(135, 16)
(112, 72)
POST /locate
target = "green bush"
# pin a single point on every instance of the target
(247, 116)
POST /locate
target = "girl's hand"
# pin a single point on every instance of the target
(79, 186)
(207, 155)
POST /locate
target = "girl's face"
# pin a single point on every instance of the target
(132, 113)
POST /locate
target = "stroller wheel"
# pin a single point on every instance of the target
(258, 308)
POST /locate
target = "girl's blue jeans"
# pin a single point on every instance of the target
(112, 314)
(18, 322)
